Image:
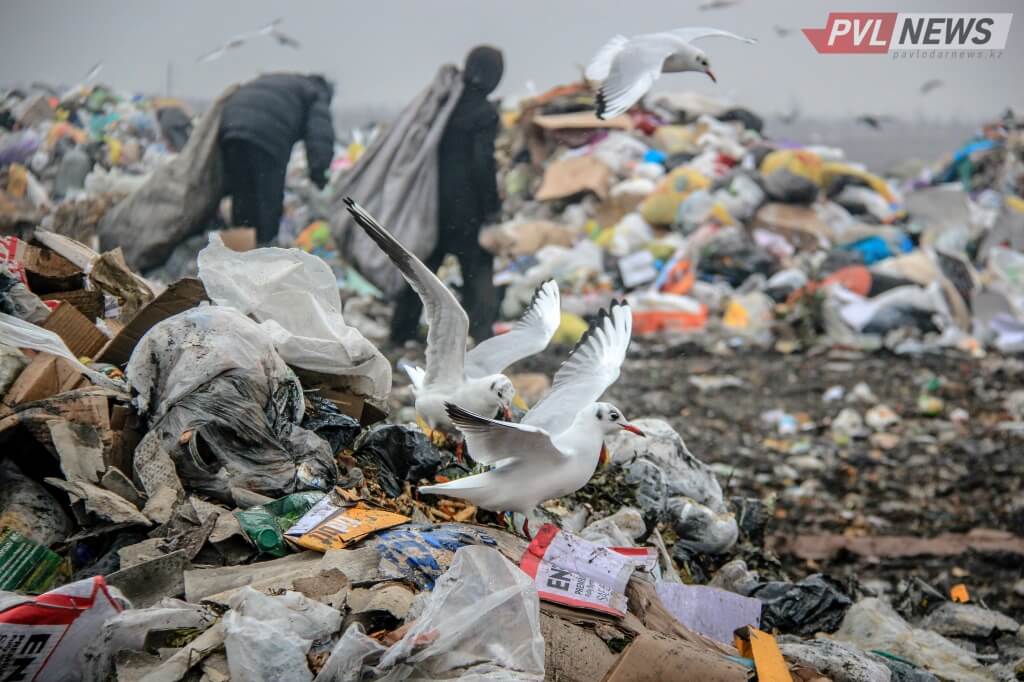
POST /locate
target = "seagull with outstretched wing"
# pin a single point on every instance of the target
(629, 67)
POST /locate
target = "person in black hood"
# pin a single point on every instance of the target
(468, 199)
(261, 123)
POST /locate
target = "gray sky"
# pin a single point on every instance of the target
(383, 52)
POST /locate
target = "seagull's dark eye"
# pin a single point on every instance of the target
(614, 416)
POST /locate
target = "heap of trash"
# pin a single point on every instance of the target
(211, 477)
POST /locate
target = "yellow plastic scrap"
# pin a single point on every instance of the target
(355, 150)
(736, 316)
(721, 214)
(833, 170)
(662, 205)
(17, 180)
(1015, 204)
(113, 151)
(570, 330)
(800, 162)
(768, 661)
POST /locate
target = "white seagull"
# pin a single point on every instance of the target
(629, 67)
(239, 40)
(445, 378)
(557, 447)
(529, 336)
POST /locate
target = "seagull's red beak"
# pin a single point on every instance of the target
(632, 429)
(711, 75)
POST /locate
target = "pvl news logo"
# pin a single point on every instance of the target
(975, 35)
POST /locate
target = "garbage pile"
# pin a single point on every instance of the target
(199, 482)
(722, 234)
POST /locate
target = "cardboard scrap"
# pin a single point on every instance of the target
(572, 571)
(656, 658)
(182, 295)
(146, 583)
(45, 376)
(582, 120)
(334, 525)
(763, 648)
(567, 177)
(103, 503)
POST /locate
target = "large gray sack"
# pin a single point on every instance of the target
(175, 203)
(396, 181)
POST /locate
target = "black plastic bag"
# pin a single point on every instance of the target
(328, 422)
(401, 453)
(815, 604)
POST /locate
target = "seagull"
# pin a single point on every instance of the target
(529, 336)
(872, 121)
(558, 445)
(790, 117)
(239, 40)
(445, 377)
(782, 31)
(630, 66)
(717, 4)
(930, 85)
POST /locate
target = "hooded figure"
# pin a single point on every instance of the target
(468, 199)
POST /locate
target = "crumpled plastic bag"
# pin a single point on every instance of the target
(401, 452)
(815, 604)
(294, 296)
(482, 622)
(214, 374)
(266, 638)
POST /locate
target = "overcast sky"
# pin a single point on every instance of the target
(382, 52)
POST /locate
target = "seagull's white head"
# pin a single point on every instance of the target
(700, 62)
(610, 420)
(499, 388)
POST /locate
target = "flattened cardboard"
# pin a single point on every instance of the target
(581, 120)
(656, 658)
(180, 296)
(353, 406)
(88, 301)
(76, 330)
(45, 376)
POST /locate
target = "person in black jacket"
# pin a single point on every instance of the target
(260, 124)
(468, 189)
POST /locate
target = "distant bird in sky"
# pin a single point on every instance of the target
(872, 121)
(93, 73)
(717, 4)
(270, 30)
(930, 85)
(782, 31)
(790, 117)
(629, 67)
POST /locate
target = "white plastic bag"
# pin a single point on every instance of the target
(294, 296)
(266, 638)
(481, 622)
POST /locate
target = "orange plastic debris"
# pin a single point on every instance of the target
(958, 593)
(656, 321)
(768, 661)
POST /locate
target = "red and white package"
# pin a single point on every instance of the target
(41, 638)
(572, 571)
(12, 251)
(645, 559)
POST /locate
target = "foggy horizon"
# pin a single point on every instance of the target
(381, 56)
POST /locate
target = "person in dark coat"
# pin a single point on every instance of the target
(468, 189)
(260, 124)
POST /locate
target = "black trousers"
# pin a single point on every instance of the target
(479, 296)
(255, 181)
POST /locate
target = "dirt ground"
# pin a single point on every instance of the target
(948, 473)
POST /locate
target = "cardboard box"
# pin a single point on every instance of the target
(180, 296)
(88, 301)
(352, 405)
(45, 376)
(76, 330)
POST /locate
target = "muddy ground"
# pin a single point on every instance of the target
(950, 472)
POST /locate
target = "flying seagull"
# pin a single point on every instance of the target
(629, 67)
(270, 30)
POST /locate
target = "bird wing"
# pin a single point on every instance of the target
(689, 35)
(601, 64)
(415, 373)
(592, 366)
(634, 69)
(490, 441)
(448, 323)
(530, 335)
(285, 39)
(213, 55)
(94, 72)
